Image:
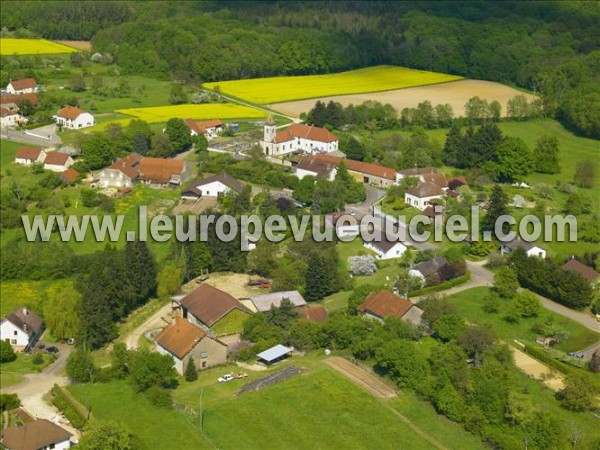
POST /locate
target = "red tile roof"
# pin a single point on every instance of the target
(210, 304)
(384, 304)
(357, 166)
(313, 313)
(18, 98)
(28, 153)
(70, 112)
(160, 170)
(200, 126)
(5, 112)
(56, 158)
(128, 165)
(589, 274)
(69, 175)
(298, 130)
(25, 83)
(435, 177)
(180, 337)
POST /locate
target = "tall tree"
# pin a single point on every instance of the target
(316, 278)
(179, 135)
(498, 206)
(454, 146)
(141, 272)
(546, 155)
(515, 160)
(191, 372)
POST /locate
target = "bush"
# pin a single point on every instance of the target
(362, 265)
(441, 287)
(74, 411)
(7, 354)
(159, 397)
(9, 401)
(37, 358)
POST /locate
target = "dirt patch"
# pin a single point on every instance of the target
(195, 206)
(455, 93)
(271, 379)
(535, 369)
(85, 46)
(361, 376)
(235, 284)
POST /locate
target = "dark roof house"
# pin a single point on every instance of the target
(39, 434)
(26, 320)
(430, 267)
(209, 304)
(589, 274)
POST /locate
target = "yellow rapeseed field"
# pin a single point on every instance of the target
(371, 79)
(205, 111)
(9, 46)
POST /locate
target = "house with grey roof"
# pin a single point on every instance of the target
(214, 186)
(21, 328)
(264, 302)
(531, 248)
(426, 269)
(386, 249)
(423, 195)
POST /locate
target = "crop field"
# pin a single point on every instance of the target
(205, 111)
(371, 79)
(9, 46)
(456, 94)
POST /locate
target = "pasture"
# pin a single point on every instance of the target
(9, 46)
(370, 79)
(204, 111)
(456, 94)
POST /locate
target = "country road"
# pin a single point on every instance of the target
(156, 320)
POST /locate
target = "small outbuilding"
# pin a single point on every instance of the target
(274, 354)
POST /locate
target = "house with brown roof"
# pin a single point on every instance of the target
(13, 101)
(212, 309)
(22, 86)
(209, 128)
(39, 434)
(313, 313)
(29, 155)
(123, 173)
(58, 161)
(586, 272)
(21, 328)
(423, 195)
(164, 171)
(297, 138)
(74, 118)
(183, 340)
(383, 304)
(69, 176)
(10, 117)
(214, 186)
(309, 166)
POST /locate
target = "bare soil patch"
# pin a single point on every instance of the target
(455, 93)
(532, 367)
(195, 206)
(235, 284)
(85, 46)
(361, 376)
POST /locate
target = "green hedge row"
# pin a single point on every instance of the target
(74, 411)
(544, 357)
(442, 286)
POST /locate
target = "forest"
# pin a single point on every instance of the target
(550, 48)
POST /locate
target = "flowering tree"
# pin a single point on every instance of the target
(362, 265)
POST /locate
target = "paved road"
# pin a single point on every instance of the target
(584, 319)
(44, 136)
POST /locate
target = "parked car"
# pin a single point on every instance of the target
(225, 378)
(52, 350)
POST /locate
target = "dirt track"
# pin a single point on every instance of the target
(455, 93)
(362, 377)
(539, 371)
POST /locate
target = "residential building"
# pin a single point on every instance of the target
(263, 303)
(206, 306)
(383, 304)
(162, 171)
(309, 166)
(69, 176)
(426, 270)
(21, 328)
(29, 155)
(13, 101)
(214, 186)
(73, 118)
(416, 172)
(10, 118)
(313, 313)
(531, 248)
(344, 223)
(58, 161)
(587, 273)
(123, 173)
(385, 248)
(183, 340)
(209, 128)
(423, 195)
(297, 138)
(22, 86)
(40, 434)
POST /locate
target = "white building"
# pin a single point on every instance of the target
(209, 128)
(214, 186)
(386, 249)
(297, 137)
(530, 248)
(344, 223)
(58, 161)
(123, 173)
(74, 118)
(40, 434)
(29, 155)
(21, 329)
(310, 166)
(23, 86)
(422, 195)
(10, 118)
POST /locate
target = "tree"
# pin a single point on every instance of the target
(282, 316)
(26, 108)
(179, 135)
(305, 189)
(526, 304)
(491, 303)
(362, 265)
(579, 392)
(506, 282)
(515, 160)
(76, 59)
(486, 141)
(169, 279)
(119, 360)
(545, 431)
(305, 335)
(316, 281)
(450, 403)
(140, 271)
(60, 312)
(80, 368)
(586, 173)
(177, 94)
(517, 107)
(546, 155)
(200, 143)
(77, 83)
(454, 147)
(449, 327)
(577, 204)
(7, 354)
(498, 206)
(191, 373)
(104, 435)
(476, 340)
(595, 361)
(403, 361)
(354, 149)
(98, 151)
(148, 369)
(161, 146)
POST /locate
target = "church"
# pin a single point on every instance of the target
(297, 138)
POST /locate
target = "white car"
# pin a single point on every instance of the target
(225, 378)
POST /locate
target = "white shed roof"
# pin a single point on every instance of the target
(274, 352)
(264, 302)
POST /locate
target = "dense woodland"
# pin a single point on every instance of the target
(550, 48)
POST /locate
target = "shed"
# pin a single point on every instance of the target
(274, 354)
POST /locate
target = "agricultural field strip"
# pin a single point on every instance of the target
(9, 46)
(207, 111)
(371, 79)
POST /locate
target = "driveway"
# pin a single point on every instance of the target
(43, 136)
(157, 320)
(365, 207)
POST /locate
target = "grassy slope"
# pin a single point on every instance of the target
(13, 372)
(28, 293)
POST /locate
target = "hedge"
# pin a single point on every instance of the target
(74, 411)
(442, 286)
(544, 357)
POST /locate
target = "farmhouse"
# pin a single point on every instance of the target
(74, 118)
(214, 186)
(423, 195)
(122, 173)
(22, 86)
(206, 306)
(14, 101)
(383, 304)
(57, 161)
(530, 247)
(417, 172)
(209, 128)
(263, 303)
(182, 340)
(162, 171)
(385, 248)
(588, 274)
(21, 328)
(426, 270)
(10, 118)
(69, 176)
(309, 166)
(38, 434)
(29, 155)
(297, 137)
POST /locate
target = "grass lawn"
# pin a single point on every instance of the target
(13, 372)
(470, 305)
(8, 150)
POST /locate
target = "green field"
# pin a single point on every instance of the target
(204, 111)
(13, 372)
(371, 79)
(9, 46)
(470, 305)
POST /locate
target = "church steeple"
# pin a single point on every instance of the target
(270, 129)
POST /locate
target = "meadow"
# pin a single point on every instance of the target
(9, 46)
(370, 79)
(203, 111)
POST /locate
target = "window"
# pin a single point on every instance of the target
(15, 333)
(203, 364)
(204, 355)
(13, 342)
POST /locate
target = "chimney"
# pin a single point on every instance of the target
(25, 328)
(25, 312)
